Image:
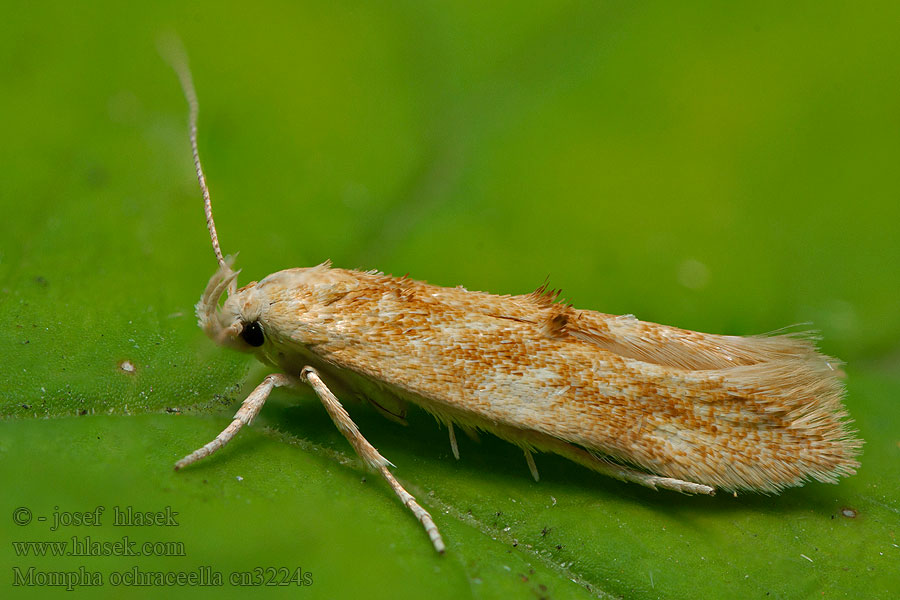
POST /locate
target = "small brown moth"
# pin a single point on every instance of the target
(646, 403)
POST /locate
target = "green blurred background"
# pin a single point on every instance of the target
(721, 168)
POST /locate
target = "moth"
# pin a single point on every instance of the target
(660, 406)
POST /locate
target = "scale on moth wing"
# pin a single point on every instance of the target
(646, 403)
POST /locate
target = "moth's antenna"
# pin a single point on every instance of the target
(171, 49)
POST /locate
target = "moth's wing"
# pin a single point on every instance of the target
(673, 347)
(762, 412)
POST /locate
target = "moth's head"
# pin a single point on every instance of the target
(236, 324)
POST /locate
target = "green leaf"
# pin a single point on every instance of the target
(719, 168)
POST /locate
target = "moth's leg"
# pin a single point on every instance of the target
(370, 456)
(581, 456)
(244, 416)
(623, 473)
(531, 466)
(453, 447)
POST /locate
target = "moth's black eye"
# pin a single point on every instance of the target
(253, 334)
